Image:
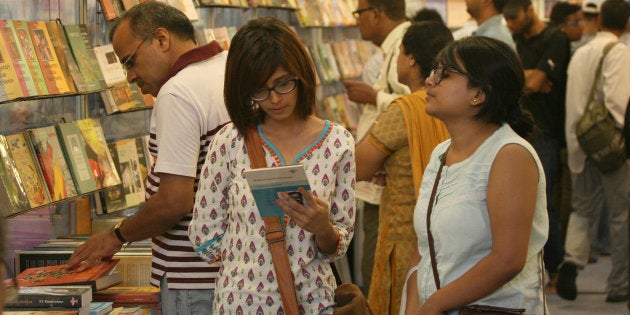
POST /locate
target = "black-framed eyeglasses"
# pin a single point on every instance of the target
(438, 73)
(357, 13)
(282, 87)
(11, 287)
(130, 61)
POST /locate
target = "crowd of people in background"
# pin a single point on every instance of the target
(465, 166)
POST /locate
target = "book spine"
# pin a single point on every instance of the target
(47, 300)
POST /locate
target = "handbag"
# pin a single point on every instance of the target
(274, 234)
(598, 134)
(468, 309)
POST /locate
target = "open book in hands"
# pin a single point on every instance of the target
(266, 183)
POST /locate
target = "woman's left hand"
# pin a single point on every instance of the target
(312, 216)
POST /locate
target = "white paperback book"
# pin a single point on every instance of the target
(266, 183)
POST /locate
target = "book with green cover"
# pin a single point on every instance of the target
(73, 145)
(85, 57)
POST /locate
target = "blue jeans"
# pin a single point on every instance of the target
(548, 150)
(185, 302)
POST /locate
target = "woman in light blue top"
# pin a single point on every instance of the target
(488, 219)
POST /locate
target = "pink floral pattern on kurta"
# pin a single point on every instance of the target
(226, 224)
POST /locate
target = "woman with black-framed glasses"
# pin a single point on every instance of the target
(270, 96)
(481, 218)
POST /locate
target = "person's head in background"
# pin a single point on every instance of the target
(568, 18)
(420, 45)
(521, 17)
(481, 78)
(427, 14)
(481, 10)
(614, 16)
(377, 18)
(261, 50)
(148, 39)
(590, 11)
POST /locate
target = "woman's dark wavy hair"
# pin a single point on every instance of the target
(257, 50)
(495, 68)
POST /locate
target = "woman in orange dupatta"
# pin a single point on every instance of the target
(400, 140)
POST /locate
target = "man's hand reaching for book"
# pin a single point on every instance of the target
(99, 247)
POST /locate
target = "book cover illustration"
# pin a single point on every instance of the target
(266, 183)
(131, 193)
(66, 61)
(29, 170)
(85, 58)
(59, 275)
(28, 51)
(9, 77)
(75, 150)
(52, 162)
(111, 67)
(101, 162)
(52, 296)
(11, 180)
(19, 63)
(48, 60)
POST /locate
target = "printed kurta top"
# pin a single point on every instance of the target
(226, 224)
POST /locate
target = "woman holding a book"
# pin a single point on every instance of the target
(270, 96)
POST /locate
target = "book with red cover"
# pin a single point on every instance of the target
(58, 275)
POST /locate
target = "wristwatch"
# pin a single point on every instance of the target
(119, 235)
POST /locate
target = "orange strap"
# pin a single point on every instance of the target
(274, 234)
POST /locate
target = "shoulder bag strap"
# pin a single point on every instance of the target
(436, 276)
(598, 73)
(274, 234)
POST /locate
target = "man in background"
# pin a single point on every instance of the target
(544, 52)
(383, 22)
(156, 45)
(487, 14)
(568, 18)
(593, 189)
(590, 26)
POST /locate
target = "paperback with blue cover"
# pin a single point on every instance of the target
(266, 183)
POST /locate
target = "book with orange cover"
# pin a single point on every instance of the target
(48, 60)
(52, 162)
(59, 275)
(99, 277)
(10, 77)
